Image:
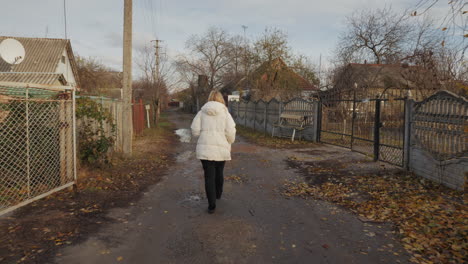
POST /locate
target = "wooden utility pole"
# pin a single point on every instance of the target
(157, 78)
(127, 131)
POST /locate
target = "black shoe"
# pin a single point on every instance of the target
(218, 196)
(211, 210)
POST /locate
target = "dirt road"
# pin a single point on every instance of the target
(253, 222)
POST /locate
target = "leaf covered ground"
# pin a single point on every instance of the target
(430, 220)
(34, 233)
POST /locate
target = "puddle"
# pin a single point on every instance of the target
(195, 198)
(185, 135)
(186, 155)
(192, 200)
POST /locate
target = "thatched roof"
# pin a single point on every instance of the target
(271, 72)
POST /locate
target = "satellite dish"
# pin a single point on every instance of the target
(12, 51)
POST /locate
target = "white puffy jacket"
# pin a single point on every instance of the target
(217, 132)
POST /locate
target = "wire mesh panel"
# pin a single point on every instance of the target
(440, 126)
(392, 131)
(336, 126)
(36, 144)
(363, 127)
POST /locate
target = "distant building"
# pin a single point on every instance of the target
(47, 62)
(275, 79)
(382, 81)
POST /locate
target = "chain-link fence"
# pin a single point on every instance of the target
(114, 108)
(37, 144)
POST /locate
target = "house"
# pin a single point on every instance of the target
(47, 62)
(382, 81)
(274, 79)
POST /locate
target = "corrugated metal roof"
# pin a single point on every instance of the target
(33, 78)
(42, 55)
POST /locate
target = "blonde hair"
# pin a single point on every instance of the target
(217, 97)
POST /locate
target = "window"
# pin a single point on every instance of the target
(63, 59)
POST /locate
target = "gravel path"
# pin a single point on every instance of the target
(253, 222)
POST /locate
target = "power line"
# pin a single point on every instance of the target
(153, 20)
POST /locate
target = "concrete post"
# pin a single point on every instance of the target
(127, 130)
(315, 121)
(407, 137)
(245, 114)
(255, 115)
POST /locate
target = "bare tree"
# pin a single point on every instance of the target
(271, 45)
(375, 35)
(209, 55)
(454, 21)
(95, 76)
(449, 54)
(148, 86)
(302, 65)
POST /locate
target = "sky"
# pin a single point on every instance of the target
(95, 26)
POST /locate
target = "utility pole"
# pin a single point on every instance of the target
(157, 77)
(246, 68)
(127, 128)
(320, 71)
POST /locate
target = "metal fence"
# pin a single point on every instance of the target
(114, 107)
(139, 117)
(440, 125)
(262, 116)
(438, 147)
(37, 143)
(374, 127)
(428, 137)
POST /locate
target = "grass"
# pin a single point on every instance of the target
(259, 138)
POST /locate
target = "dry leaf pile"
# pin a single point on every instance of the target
(35, 232)
(432, 221)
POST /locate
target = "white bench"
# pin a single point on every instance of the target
(295, 122)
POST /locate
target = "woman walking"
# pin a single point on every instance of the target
(217, 131)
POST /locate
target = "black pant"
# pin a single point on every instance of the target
(214, 180)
